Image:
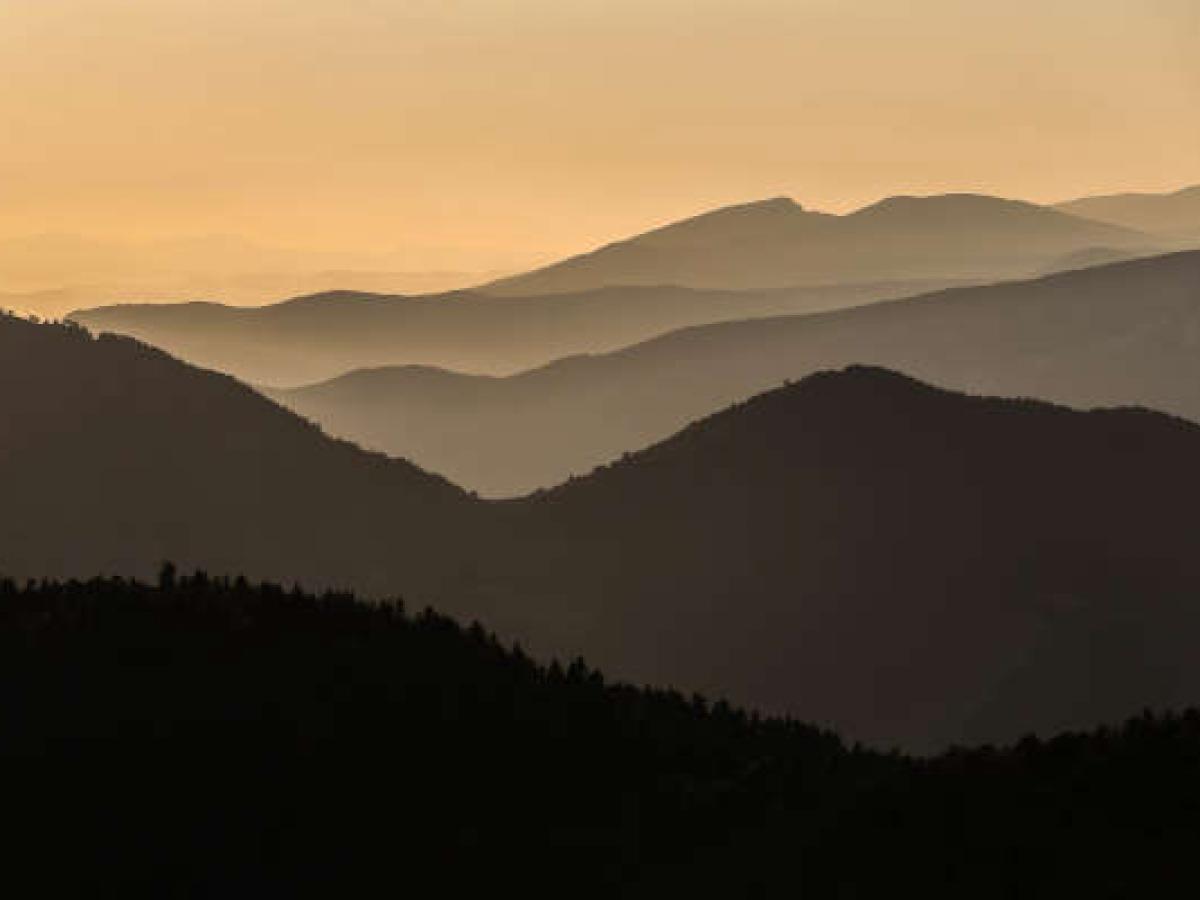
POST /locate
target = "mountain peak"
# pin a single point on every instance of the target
(772, 206)
(860, 373)
(780, 203)
(755, 220)
(775, 243)
(853, 386)
(961, 202)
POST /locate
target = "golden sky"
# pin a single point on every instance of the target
(494, 127)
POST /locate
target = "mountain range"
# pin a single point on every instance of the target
(757, 259)
(1172, 214)
(50, 274)
(777, 242)
(912, 566)
(233, 289)
(1120, 334)
(324, 335)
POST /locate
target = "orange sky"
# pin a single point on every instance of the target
(499, 128)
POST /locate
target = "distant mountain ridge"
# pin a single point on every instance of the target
(323, 335)
(1125, 333)
(51, 274)
(907, 564)
(756, 259)
(1174, 214)
(777, 242)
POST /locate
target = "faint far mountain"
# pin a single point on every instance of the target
(253, 289)
(777, 242)
(1174, 214)
(748, 261)
(324, 335)
(51, 274)
(53, 261)
(1121, 334)
(909, 565)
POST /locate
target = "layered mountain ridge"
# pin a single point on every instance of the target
(777, 242)
(751, 260)
(906, 564)
(1121, 334)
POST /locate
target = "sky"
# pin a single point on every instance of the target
(478, 133)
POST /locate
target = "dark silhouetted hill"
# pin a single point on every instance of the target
(113, 454)
(1175, 215)
(896, 561)
(858, 549)
(325, 335)
(213, 738)
(1126, 334)
(777, 242)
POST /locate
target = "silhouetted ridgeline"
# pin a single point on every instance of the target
(908, 565)
(325, 335)
(1173, 214)
(777, 242)
(755, 259)
(209, 737)
(115, 453)
(1110, 336)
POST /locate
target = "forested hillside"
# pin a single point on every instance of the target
(207, 737)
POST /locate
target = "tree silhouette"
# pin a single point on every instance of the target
(211, 737)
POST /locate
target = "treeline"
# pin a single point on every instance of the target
(209, 737)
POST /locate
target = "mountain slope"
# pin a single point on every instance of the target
(1121, 334)
(906, 564)
(51, 274)
(324, 335)
(776, 242)
(303, 724)
(1175, 214)
(114, 456)
(902, 563)
(238, 735)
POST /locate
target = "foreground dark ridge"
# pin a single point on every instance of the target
(208, 737)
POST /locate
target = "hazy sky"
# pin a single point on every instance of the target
(551, 125)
